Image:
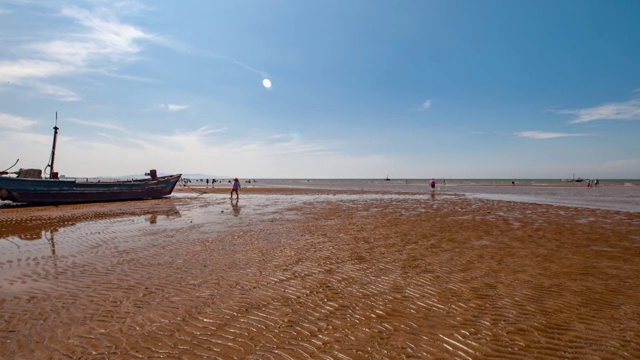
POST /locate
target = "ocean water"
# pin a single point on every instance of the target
(618, 194)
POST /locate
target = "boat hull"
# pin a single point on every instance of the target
(44, 191)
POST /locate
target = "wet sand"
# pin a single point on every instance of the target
(318, 274)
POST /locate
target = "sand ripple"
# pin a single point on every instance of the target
(349, 277)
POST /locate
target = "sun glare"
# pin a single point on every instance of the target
(266, 83)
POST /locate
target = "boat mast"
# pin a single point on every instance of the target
(52, 174)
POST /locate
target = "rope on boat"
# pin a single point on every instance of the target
(9, 168)
(194, 190)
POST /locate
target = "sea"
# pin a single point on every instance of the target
(610, 194)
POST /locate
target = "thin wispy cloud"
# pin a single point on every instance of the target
(425, 105)
(100, 43)
(56, 92)
(279, 136)
(99, 125)
(16, 71)
(173, 107)
(300, 148)
(206, 130)
(15, 122)
(541, 135)
(193, 51)
(189, 139)
(293, 143)
(237, 62)
(626, 110)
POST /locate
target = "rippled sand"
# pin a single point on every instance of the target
(296, 274)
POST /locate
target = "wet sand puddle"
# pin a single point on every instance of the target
(321, 276)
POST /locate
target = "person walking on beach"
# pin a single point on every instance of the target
(235, 188)
(433, 183)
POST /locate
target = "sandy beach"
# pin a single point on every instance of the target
(288, 273)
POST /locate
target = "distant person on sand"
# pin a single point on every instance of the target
(597, 182)
(235, 188)
(513, 183)
(433, 183)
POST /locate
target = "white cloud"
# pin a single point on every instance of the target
(130, 7)
(100, 43)
(425, 105)
(545, 135)
(56, 92)
(99, 125)
(15, 71)
(626, 110)
(106, 39)
(15, 122)
(200, 150)
(179, 140)
(173, 107)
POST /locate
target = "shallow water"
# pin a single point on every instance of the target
(613, 195)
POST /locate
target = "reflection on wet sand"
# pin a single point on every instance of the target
(29, 226)
(24, 223)
(235, 207)
(335, 276)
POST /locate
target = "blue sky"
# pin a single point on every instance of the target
(360, 89)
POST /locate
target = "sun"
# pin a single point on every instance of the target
(266, 83)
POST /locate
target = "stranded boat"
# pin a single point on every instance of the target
(28, 186)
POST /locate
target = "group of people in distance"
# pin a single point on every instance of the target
(593, 183)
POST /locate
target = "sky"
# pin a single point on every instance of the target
(323, 89)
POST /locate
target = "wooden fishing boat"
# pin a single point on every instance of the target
(57, 191)
(29, 187)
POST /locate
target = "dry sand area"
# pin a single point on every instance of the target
(305, 274)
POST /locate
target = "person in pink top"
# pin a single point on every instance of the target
(235, 188)
(433, 183)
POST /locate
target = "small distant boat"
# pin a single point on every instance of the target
(579, 179)
(29, 187)
(387, 178)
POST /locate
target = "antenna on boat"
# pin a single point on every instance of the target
(52, 174)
